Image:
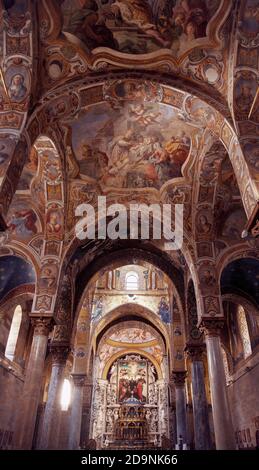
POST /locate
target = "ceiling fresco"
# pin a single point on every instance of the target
(115, 342)
(22, 221)
(7, 145)
(131, 335)
(133, 144)
(140, 26)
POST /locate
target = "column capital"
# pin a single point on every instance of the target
(42, 325)
(59, 353)
(178, 377)
(212, 327)
(78, 379)
(195, 351)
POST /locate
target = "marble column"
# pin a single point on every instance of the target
(32, 385)
(200, 406)
(52, 415)
(223, 427)
(76, 411)
(180, 403)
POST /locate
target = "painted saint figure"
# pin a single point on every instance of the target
(89, 26)
(17, 90)
(23, 223)
(163, 310)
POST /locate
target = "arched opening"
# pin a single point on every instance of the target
(243, 328)
(131, 281)
(132, 327)
(239, 284)
(131, 377)
(14, 333)
(65, 398)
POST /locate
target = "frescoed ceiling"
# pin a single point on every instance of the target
(180, 36)
(140, 26)
(132, 146)
(130, 336)
(139, 100)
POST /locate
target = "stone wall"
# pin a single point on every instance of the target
(11, 383)
(243, 392)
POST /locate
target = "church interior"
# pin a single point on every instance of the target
(119, 343)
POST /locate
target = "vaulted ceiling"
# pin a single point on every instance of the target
(145, 101)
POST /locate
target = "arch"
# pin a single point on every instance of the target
(240, 276)
(13, 333)
(242, 250)
(247, 304)
(112, 318)
(17, 272)
(243, 98)
(131, 351)
(132, 280)
(244, 332)
(142, 313)
(119, 256)
(65, 395)
(217, 122)
(251, 315)
(49, 177)
(17, 296)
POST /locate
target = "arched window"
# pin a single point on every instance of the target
(131, 281)
(244, 333)
(226, 366)
(65, 395)
(13, 333)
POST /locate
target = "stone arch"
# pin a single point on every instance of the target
(82, 337)
(136, 311)
(242, 301)
(122, 254)
(15, 60)
(207, 283)
(243, 95)
(11, 264)
(251, 312)
(21, 344)
(14, 333)
(236, 252)
(239, 276)
(179, 96)
(50, 179)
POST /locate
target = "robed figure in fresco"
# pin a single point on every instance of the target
(87, 25)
